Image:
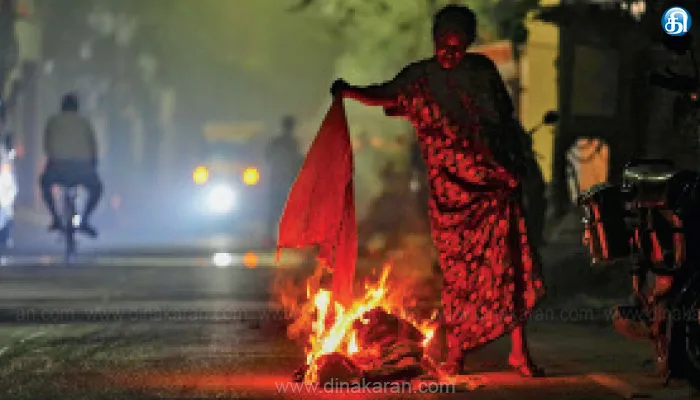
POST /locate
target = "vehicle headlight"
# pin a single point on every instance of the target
(8, 188)
(200, 175)
(221, 199)
(251, 176)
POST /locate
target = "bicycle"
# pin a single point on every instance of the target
(71, 221)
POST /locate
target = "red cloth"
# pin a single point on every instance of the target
(320, 209)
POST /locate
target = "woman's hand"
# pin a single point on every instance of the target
(366, 95)
(338, 87)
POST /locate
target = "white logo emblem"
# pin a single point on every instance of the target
(676, 21)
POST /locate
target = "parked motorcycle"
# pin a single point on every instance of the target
(653, 220)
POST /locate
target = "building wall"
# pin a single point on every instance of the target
(540, 85)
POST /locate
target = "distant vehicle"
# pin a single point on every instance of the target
(227, 192)
(8, 191)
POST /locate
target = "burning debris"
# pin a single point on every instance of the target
(382, 347)
(388, 348)
(372, 340)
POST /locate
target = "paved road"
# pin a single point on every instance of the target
(135, 360)
(31, 238)
(193, 319)
(145, 329)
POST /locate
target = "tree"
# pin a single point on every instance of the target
(9, 48)
(379, 37)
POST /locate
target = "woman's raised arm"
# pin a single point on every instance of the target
(383, 94)
(374, 95)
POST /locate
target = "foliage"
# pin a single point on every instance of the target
(379, 37)
(249, 58)
(9, 50)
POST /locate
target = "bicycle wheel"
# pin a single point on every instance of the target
(70, 244)
(70, 211)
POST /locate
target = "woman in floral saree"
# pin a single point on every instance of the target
(475, 154)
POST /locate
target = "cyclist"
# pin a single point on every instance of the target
(71, 151)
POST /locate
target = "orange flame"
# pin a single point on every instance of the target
(333, 332)
(352, 344)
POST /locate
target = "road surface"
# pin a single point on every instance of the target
(174, 323)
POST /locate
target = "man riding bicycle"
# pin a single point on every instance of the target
(71, 152)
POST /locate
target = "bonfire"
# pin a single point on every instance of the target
(373, 339)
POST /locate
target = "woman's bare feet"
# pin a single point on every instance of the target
(449, 372)
(523, 365)
(450, 368)
(519, 358)
(453, 364)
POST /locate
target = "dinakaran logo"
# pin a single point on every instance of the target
(676, 21)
